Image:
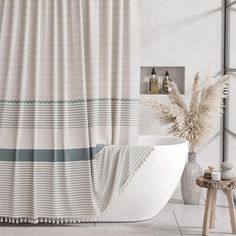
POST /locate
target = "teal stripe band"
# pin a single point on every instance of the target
(45, 155)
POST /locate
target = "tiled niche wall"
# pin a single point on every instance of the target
(177, 74)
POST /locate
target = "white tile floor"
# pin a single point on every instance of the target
(175, 219)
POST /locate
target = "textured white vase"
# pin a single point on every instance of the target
(227, 173)
(191, 193)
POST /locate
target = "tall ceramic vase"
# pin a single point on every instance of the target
(191, 193)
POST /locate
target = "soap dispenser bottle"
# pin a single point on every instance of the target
(153, 83)
(166, 80)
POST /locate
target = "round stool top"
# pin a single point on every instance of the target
(208, 183)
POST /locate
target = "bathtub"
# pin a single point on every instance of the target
(154, 183)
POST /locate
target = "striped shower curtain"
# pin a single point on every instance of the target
(69, 84)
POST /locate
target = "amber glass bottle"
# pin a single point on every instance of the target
(153, 83)
(165, 83)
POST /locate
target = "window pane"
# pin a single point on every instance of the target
(232, 104)
(231, 151)
(232, 36)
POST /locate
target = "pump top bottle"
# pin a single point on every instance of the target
(166, 80)
(153, 83)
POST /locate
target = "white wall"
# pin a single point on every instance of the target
(183, 33)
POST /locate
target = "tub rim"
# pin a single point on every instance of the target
(181, 141)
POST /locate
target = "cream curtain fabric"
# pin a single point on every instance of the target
(68, 67)
(69, 84)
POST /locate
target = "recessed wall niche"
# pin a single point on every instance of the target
(176, 74)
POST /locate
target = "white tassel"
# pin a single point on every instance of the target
(17, 220)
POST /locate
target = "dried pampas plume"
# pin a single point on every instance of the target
(196, 122)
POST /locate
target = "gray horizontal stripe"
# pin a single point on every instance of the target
(67, 106)
(46, 121)
(68, 114)
(58, 125)
(43, 155)
(69, 126)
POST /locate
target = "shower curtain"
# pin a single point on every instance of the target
(69, 88)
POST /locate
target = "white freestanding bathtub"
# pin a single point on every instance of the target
(154, 183)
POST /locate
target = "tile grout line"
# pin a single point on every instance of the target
(181, 233)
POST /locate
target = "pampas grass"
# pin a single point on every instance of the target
(195, 122)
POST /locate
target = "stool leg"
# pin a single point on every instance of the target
(213, 210)
(231, 210)
(207, 214)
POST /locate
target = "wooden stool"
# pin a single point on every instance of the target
(212, 187)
